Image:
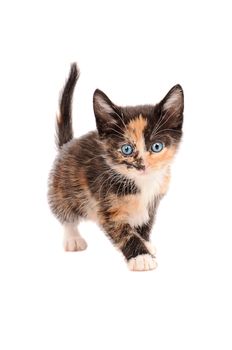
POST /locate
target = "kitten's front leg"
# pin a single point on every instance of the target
(144, 231)
(134, 249)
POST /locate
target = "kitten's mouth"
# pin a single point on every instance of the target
(136, 166)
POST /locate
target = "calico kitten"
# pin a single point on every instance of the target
(118, 174)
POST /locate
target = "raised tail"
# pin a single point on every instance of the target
(64, 131)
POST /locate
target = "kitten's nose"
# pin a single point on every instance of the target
(143, 165)
(140, 165)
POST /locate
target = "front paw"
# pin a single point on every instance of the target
(143, 262)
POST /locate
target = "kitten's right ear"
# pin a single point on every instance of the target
(106, 112)
(172, 107)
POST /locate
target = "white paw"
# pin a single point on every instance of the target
(74, 244)
(143, 262)
(150, 247)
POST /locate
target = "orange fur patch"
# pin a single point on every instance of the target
(82, 180)
(165, 185)
(122, 208)
(159, 160)
(135, 130)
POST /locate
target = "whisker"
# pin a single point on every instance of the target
(119, 127)
(164, 121)
(112, 183)
(159, 122)
(117, 132)
(101, 175)
(89, 160)
(123, 122)
(173, 130)
(110, 177)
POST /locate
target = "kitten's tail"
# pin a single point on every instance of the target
(64, 131)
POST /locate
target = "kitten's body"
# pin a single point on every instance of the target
(93, 179)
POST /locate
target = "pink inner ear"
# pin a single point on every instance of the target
(102, 105)
(174, 102)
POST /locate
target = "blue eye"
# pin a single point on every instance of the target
(157, 147)
(127, 149)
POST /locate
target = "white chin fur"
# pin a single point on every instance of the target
(150, 188)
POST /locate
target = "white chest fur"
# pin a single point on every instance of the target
(149, 186)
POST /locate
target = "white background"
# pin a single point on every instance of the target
(135, 51)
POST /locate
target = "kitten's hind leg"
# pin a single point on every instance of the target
(73, 241)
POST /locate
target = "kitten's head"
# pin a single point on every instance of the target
(139, 140)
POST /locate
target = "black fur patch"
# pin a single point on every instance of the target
(133, 248)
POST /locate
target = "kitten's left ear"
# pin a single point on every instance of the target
(106, 112)
(172, 106)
